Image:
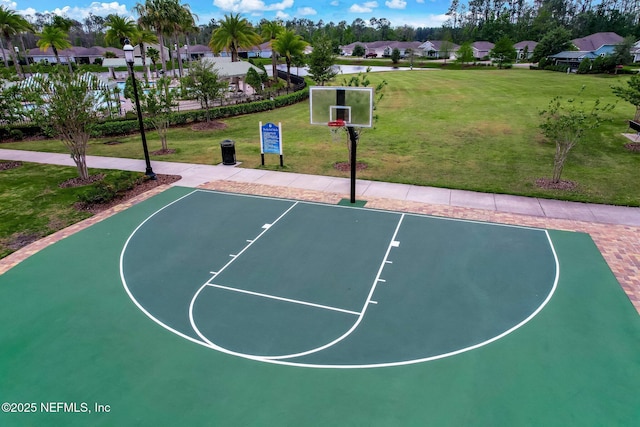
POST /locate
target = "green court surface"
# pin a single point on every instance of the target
(205, 308)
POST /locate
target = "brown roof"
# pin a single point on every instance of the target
(597, 40)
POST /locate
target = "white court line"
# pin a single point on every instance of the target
(208, 283)
(124, 281)
(251, 242)
(294, 301)
(470, 221)
(273, 360)
(364, 307)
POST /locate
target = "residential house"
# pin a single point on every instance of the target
(481, 49)
(37, 55)
(77, 54)
(147, 46)
(384, 48)
(591, 47)
(600, 44)
(524, 50)
(572, 58)
(439, 49)
(196, 51)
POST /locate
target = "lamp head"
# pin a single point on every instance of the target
(128, 52)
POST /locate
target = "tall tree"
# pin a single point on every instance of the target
(141, 38)
(289, 45)
(630, 93)
(203, 83)
(12, 24)
(158, 15)
(68, 105)
(555, 41)
(234, 33)
(270, 30)
(119, 28)
(321, 61)
(54, 38)
(564, 123)
(503, 52)
(157, 105)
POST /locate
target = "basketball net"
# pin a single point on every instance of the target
(336, 127)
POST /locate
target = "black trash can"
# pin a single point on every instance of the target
(228, 148)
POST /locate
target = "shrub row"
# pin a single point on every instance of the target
(113, 185)
(123, 126)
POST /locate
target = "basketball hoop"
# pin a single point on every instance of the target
(335, 127)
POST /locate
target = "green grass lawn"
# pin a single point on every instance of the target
(456, 129)
(33, 204)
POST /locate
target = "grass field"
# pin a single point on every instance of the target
(33, 204)
(456, 129)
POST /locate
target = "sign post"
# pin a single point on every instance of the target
(271, 141)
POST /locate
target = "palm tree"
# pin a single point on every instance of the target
(270, 30)
(12, 24)
(189, 28)
(140, 38)
(233, 33)
(158, 15)
(289, 45)
(54, 38)
(118, 29)
(154, 55)
(183, 23)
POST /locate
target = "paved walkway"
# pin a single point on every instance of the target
(615, 230)
(195, 175)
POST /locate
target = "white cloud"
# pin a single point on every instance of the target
(364, 7)
(432, 21)
(248, 6)
(282, 15)
(335, 3)
(396, 4)
(306, 11)
(11, 5)
(420, 1)
(80, 13)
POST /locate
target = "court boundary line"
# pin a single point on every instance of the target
(275, 297)
(366, 304)
(420, 215)
(124, 281)
(320, 366)
(194, 326)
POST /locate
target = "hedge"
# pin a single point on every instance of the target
(123, 126)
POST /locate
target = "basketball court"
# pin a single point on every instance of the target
(216, 308)
(199, 307)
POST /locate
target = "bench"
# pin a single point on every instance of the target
(635, 126)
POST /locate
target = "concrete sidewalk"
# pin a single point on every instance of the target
(194, 175)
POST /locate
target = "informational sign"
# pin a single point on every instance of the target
(271, 140)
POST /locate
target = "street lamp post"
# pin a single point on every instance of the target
(128, 56)
(17, 50)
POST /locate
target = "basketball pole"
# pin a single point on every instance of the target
(353, 137)
(353, 140)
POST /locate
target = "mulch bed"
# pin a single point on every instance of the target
(633, 146)
(140, 188)
(163, 152)
(346, 166)
(5, 166)
(79, 182)
(547, 184)
(203, 126)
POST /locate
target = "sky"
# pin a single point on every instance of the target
(415, 13)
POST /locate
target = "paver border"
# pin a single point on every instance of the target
(619, 244)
